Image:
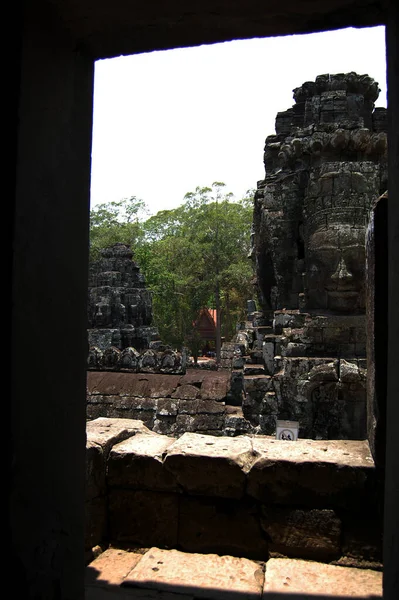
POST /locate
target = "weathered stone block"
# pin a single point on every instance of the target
(315, 474)
(110, 569)
(167, 407)
(216, 387)
(187, 391)
(362, 539)
(96, 522)
(222, 526)
(257, 384)
(165, 425)
(95, 470)
(305, 579)
(143, 518)
(310, 534)
(220, 464)
(268, 352)
(138, 463)
(199, 406)
(198, 575)
(108, 432)
(201, 422)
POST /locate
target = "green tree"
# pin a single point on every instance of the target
(193, 256)
(197, 255)
(114, 222)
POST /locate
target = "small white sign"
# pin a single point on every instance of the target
(287, 430)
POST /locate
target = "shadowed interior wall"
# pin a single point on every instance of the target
(49, 309)
(391, 527)
(50, 241)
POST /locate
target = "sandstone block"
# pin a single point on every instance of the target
(138, 463)
(215, 386)
(316, 474)
(201, 575)
(167, 407)
(308, 578)
(219, 464)
(201, 422)
(257, 383)
(161, 386)
(96, 522)
(95, 470)
(165, 425)
(199, 406)
(222, 526)
(108, 432)
(186, 391)
(143, 518)
(310, 534)
(111, 567)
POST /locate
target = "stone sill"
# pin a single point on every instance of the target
(245, 496)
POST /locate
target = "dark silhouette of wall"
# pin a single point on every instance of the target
(49, 90)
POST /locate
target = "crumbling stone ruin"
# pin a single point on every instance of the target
(119, 305)
(169, 403)
(301, 355)
(131, 374)
(121, 335)
(325, 168)
(313, 505)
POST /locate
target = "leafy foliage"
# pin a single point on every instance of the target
(116, 222)
(186, 254)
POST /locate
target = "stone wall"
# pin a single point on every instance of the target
(247, 496)
(198, 401)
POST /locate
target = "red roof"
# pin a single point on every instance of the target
(206, 321)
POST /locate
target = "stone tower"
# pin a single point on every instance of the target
(325, 168)
(119, 305)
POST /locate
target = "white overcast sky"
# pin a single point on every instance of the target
(166, 122)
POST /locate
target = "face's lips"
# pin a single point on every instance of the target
(339, 291)
(342, 293)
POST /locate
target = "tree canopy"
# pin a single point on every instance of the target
(189, 255)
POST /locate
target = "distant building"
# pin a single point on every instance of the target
(205, 325)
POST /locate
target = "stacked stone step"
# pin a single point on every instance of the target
(252, 498)
(258, 346)
(310, 500)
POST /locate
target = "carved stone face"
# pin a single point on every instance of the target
(335, 269)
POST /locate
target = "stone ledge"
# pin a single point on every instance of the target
(243, 496)
(324, 474)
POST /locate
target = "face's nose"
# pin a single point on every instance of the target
(342, 273)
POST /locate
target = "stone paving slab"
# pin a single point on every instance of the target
(111, 567)
(106, 573)
(173, 575)
(201, 575)
(309, 579)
